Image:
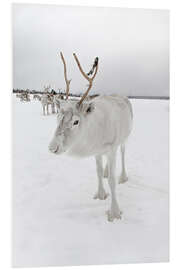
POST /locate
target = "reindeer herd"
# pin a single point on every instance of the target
(47, 99)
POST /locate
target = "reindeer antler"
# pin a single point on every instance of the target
(90, 80)
(65, 76)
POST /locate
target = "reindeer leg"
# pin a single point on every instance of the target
(47, 108)
(53, 108)
(114, 211)
(123, 177)
(106, 171)
(43, 110)
(101, 194)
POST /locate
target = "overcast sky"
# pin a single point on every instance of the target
(132, 46)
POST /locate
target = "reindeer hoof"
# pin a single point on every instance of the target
(101, 195)
(113, 214)
(123, 179)
(105, 174)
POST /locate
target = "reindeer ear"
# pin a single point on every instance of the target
(89, 108)
(86, 108)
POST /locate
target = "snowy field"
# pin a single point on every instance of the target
(55, 219)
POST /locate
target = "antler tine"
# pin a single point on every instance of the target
(65, 76)
(90, 80)
(80, 68)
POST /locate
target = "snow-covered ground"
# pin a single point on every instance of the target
(55, 219)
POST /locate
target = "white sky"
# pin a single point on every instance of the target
(132, 46)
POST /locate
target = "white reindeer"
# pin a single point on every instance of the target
(58, 100)
(46, 100)
(37, 97)
(95, 128)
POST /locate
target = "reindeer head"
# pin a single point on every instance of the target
(73, 116)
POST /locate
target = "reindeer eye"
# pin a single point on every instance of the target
(76, 122)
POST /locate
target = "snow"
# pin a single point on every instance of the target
(55, 219)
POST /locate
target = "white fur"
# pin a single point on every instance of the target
(57, 101)
(47, 100)
(103, 125)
